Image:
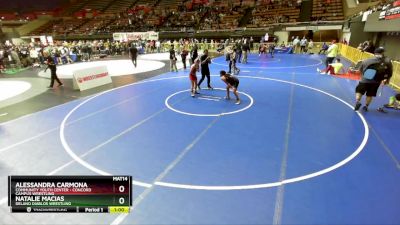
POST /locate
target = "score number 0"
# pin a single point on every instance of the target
(121, 189)
(121, 201)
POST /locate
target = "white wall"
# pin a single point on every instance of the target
(346, 35)
(282, 36)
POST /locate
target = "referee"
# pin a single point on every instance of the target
(133, 52)
(205, 70)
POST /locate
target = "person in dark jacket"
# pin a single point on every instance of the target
(184, 54)
(133, 52)
(194, 54)
(205, 70)
(375, 71)
(53, 69)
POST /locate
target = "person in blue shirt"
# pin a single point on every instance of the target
(323, 48)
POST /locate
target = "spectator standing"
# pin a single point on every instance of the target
(194, 53)
(375, 71)
(239, 51)
(310, 46)
(296, 44)
(245, 50)
(303, 45)
(184, 54)
(133, 53)
(331, 53)
(34, 56)
(158, 46)
(172, 59)
(53, 69)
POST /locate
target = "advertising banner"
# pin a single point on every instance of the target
(88, 78)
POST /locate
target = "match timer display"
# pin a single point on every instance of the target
(70, 194)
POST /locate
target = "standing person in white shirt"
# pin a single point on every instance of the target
(296, 44)
(303, 45)
(158, 46)
(310, 46)
(34, 56)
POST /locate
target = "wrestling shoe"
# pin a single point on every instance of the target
(357, 106)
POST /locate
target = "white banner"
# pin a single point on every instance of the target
(119, 37)
(88, 78)
(49, 39)
(153, 35)
(134, 36)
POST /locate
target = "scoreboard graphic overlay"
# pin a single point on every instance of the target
(70, 194)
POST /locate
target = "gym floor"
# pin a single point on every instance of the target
(293, 152)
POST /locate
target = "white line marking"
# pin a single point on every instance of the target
(291, 180)
(240, 187)
(27, 140)
(69, 123)
(4, 114)
(167, 169)
(89, 166)
(280, 194)
(119, 219)
(54, 129)
(137, 183)
(83, 162)
(273, 67)
(31, 114)
(204, 115)
(209, 99)
(209, 96)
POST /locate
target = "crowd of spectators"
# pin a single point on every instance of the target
(327, 10)
(34, 53)
(381, 6)
(223, 17)
(366, 46)
(272, 11)
(17, 56)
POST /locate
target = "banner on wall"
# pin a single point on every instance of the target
(391, 12)
(153, 35)
(134, 36)
(119, 36)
